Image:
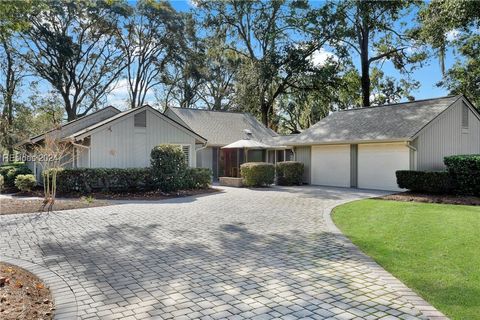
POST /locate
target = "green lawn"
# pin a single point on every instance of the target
(432, 248)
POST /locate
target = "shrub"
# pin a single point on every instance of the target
(10, 172)
(86, 180)
(436, 182)
(465, 171)
(289, 173)
(25, 182)
(2, 181)
(168, 167)
(257, 174)
(197, 178)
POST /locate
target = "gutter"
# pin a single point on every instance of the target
(81, 146)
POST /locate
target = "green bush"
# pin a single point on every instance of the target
(25, 182)
(197, 178)
(168, 167)
(257, 174)
(86, 180)
(436, 182)
(2, 182)
(10, 172)
(465, 171)
(289, 173)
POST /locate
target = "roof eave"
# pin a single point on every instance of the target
(313, 143)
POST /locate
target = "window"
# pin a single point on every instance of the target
(186, 152)
(465, 112)
(141, 119)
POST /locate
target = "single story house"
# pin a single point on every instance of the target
(222, 128)
(359, 148)
(362, 148)
(109, 138)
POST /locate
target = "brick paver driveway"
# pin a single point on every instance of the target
(239, 254)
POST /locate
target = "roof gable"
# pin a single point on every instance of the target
(221, 127)
(77, 124)
(98, 126)
(395, 122)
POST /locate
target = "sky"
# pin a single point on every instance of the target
(428, 75)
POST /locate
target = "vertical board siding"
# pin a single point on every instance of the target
(353, 165)
(303, 155)
(121, 145)
(445, 137)
(204, 158)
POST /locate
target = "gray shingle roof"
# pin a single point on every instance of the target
(220, 127)
(76, 125)
(399, 121)
(99, 124)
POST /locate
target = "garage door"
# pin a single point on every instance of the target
(377, 164)
(331, 165)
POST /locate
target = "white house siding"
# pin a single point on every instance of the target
(303, 155)
(204, 158)
(330, 165)
(82, 157)
(378, 162)
(121, 145)
(445, 136)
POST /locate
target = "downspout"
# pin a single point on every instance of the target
(82, 146)
(413, 166)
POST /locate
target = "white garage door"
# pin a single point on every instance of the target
(331, 165)
(377, 164)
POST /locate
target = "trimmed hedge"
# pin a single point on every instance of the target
(257, 174)
(289, 173)
(86, 180)
(10, 172)
(197, 178)
(436, 182)
(25, 182)
(465, 171)
(168, 167)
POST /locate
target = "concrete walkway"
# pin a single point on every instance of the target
(237, 254)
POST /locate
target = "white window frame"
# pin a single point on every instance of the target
(182, 145)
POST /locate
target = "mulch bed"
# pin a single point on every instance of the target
(432, 198)
(95, 199)
(151, 195)
(23, 295)
(10, 206)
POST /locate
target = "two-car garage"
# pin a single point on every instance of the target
(369, 166)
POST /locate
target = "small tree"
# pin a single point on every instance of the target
(52, 155)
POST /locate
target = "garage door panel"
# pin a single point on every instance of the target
(331, 165)
(377, 164)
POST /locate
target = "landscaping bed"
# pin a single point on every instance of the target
(433, 248)
(433, 198)
(23, 295)
(11, 206)
(146, 195)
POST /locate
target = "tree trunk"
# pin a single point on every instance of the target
(365, 64)
(71, 111)
(365, 80)
(264, 110)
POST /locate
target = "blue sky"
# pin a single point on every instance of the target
(428, 75)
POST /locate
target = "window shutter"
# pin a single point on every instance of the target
(141, 119)
(465, 116)
(186, 152)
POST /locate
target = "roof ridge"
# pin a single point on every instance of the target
(400, 103)
(75, 120)
(219, 111)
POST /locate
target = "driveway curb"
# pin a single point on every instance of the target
(418, 302)
(63, 296)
